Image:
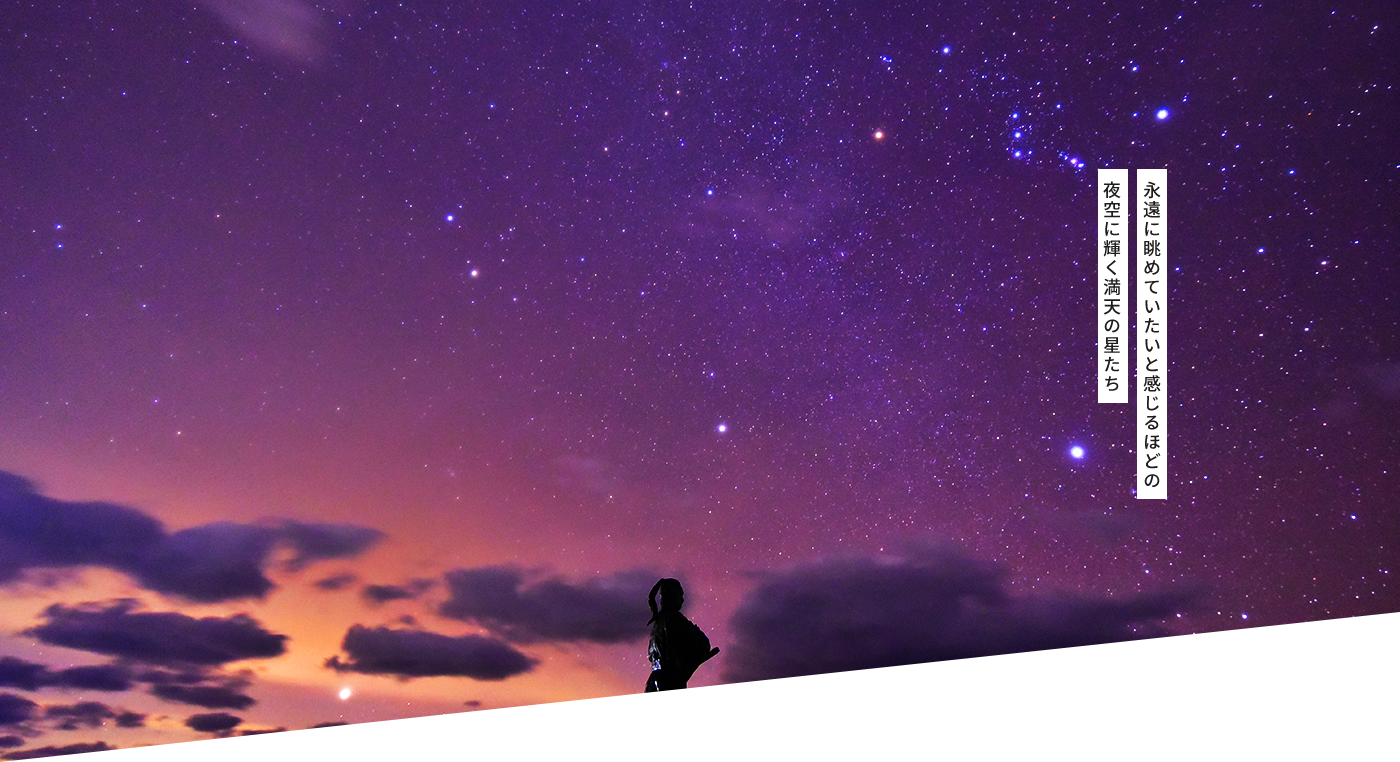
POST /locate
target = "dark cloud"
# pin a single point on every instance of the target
(510, 752)
(262, 737)
(17, 673)
(332, 724)
(167, 638)
(1360, 709)
(36, 531)
(25, 675)
(700, 729)
(213, 562)
(338, 733)
(207, 696)
(602, 610)
(89, 714)
(871, 734)
(11, 742)
(101, 677)
(209, 563)
(323, 542)
(573, 726)
(213, 722)
(15, 709)
(59, 751)
(417, 653)
(928, 605)
(385, 593)
(337, 582)
(131, 720)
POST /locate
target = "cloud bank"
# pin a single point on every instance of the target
(927, 605)
(407, 654)
(167, 638)
(603, 610)
(215, 562)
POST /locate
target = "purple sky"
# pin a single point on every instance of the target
(397, 349)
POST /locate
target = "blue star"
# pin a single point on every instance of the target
(1076, 452)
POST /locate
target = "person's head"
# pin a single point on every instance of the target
(672, 596)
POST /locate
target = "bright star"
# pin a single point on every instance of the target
(450, 218)
(1161, 113)
(1076, 452)
(723, 427)
(344, 693)
(879, 135)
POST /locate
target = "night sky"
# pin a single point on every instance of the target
(364, 360)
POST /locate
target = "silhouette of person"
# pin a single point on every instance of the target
(677, 646)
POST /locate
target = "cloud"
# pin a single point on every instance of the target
(337, 582)
(338, 733)
(36, 531)
(927, 605)
(131, 720)
(89, 714)
(17, 673)
(59, 751)
(573, 726)
(418, 653)
(210, 563)
(207, 696)
(601, 610)
(214, 722)
(101, 677)
(25, 675)
(11, 742)
(165, 638)
(385, 593)
(214, 562)
(508, 752)
(1360, 709)
(263, 737)
(15, 709)
(294, 30)
(323, 542)
(871, 734)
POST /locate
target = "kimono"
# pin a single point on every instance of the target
(676, 649)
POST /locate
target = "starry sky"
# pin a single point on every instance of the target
(366, 359)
